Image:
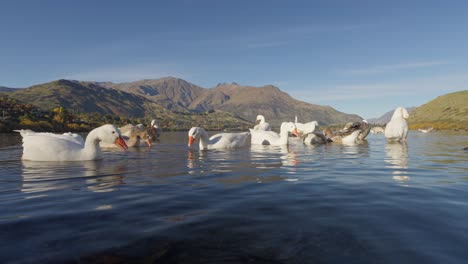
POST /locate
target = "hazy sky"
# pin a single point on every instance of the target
(361, 57)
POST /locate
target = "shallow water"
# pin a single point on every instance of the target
(369, 203)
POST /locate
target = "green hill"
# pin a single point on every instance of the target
(449, 111)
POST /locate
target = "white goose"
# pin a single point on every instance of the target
(260, 137)
(218, 141)
(261, 124)
(309, 133)
(55, 147)
(397, 129)
(306, 128)
(426, 130)
(377, 130)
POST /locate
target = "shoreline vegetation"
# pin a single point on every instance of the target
(15, 115)
(64, 111)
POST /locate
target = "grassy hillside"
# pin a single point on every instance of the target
(448, 111)
(108, 105)
(6, 89)
(82, 97)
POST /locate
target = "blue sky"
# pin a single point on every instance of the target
(361, 57)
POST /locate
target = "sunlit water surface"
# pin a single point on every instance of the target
(369, 203)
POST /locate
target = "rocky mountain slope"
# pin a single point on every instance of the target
(89, 97)
(244, 101)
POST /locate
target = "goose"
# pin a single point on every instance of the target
(316, 138)
(377, 130)
(261, 124)
(348, 136)
(397, 129)
(260, 137)
(134, 136)
(154, 130)
(218, 141)
(363, 126)
(54, 147)
(138, 138)
(426, 130)
(306, 128)
(309, 133)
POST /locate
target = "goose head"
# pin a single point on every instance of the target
(400, 112)
(143, 135)
(110, 134)
(154, 125)
(193, 134)
(260, 119)
(290, 127)
(154, 128)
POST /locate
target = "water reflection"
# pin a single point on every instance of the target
(268, 156)
(97, 176)
(397, 157)
(195, 160)
(274, 157)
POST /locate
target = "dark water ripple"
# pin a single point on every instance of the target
(369, 203)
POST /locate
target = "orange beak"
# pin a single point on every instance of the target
(190, 140)
(296, 133)
(121, 143)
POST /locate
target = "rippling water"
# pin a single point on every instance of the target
(369, 203)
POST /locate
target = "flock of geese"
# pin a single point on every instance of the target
(39, 146)
(395, 131)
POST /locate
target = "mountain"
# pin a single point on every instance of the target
(243, 101)
(179, 103)
(275, 105)
(88, 97)
(84, 97)
(449, 111)
(385, 118)
(6, 89)
(172, 93)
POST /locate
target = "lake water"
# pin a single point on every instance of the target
(368, 203)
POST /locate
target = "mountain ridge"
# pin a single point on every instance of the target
(168, 96)
(242, 100)
(7, 89)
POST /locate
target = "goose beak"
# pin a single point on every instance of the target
(296, 133)
(120, 142)
(190, 140)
